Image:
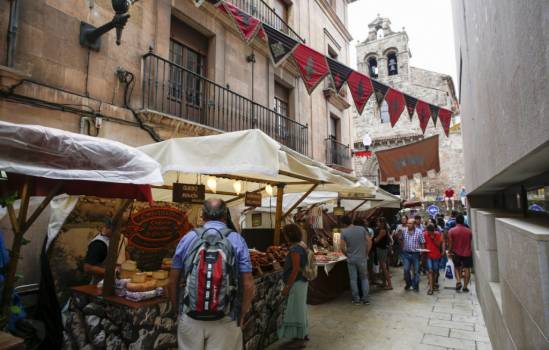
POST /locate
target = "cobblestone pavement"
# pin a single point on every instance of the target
(400, 319)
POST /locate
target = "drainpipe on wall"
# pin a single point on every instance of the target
(12, 32)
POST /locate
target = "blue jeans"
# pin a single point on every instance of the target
(358, 269)
(410, 259)
(433, 265)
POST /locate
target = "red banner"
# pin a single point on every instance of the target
(395, 102)
(312, 65)
(415, 158)
(247, 25)
(445, 117)
(361, 89)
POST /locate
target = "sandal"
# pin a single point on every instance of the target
(458, 286)
(430, 292)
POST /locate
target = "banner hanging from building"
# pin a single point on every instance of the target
(395, 102)
(415, 158)
(280, 45)
(339, 72)
(247, 25)
(361, 89)
(312, 66)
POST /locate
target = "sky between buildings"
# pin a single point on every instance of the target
(429, 25)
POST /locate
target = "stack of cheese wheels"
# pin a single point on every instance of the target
(161, 278)
(166, 264)
(140, 283)
(129, 268)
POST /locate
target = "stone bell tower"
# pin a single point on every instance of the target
(385, 54)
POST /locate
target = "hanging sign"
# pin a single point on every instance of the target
(252, 199)
(339, 211)
(186, 193)
(156, 228)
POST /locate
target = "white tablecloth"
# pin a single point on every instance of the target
(328, 266)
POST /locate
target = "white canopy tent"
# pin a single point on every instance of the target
(381, 199)
(236, 162)
(60, 161)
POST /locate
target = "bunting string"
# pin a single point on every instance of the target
(314, 66)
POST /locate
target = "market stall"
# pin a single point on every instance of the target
(44, 162)
(242, 167)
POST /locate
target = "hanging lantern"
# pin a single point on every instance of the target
(211, 183)
(237, 186)
(269, 190)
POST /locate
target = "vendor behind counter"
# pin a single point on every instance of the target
(98, 248)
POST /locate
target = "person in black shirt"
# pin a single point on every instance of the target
(381, 242)
(97, 252)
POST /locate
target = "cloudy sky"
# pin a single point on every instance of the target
(428, 24)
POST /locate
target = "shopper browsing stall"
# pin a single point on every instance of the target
(295, 325)
(205, 322)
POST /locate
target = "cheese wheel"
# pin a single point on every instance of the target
(141, 287)
(139, 277)
(125, 274)
(129, 265)
(166, 261)
(162, 283)
(148, 273)
(160, 275)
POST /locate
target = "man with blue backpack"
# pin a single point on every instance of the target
(214, 264)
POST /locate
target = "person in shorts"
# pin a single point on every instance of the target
(381, 242)
(459, 240)
(433, 242)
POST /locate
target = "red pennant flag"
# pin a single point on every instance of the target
(247, 25)
(361, 89)
(312, 66)
(395, 101)
(445, 117)
(423, 113)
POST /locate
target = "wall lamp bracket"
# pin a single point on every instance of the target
(90, 36)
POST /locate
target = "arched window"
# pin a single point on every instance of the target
(392, 65)
(384, 112)
(372, 67)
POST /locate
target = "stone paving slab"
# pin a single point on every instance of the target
(400, 320)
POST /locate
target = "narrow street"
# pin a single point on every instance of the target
(400, 320)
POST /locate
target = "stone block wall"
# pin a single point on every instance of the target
(512, 272)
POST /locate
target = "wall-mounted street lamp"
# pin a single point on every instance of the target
(90, 36)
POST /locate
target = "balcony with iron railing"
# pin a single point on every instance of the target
(174, 90)
(337, 153)
(262, 11)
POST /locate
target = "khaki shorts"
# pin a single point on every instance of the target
(208, 335)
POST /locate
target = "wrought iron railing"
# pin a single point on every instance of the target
(172, 89)
(262, 11)
(337, 153)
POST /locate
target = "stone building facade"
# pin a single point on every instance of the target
(385, 55)
(503, 54)
(180, 71)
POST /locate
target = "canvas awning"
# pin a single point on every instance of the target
(47, 161)
(381, 199)
(252, 159)
(250, 156)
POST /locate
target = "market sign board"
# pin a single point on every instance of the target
(186, 193)
(433, 210)
(339, 211)
(252, 199)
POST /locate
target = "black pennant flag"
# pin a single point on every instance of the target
(411, 103)
(380, 90)
(434, 113)
(339, 72)
(280, 45)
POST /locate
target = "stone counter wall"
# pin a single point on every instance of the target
(92, 323)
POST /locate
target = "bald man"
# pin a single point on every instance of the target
(222, 333)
